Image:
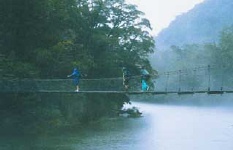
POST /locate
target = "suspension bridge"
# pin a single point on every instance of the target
(204, 79)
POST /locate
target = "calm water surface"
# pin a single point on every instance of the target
(162, 127)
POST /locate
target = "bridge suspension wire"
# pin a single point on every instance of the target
(182, 71)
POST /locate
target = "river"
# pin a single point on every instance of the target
(162, 127)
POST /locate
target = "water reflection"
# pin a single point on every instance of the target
(162, 127)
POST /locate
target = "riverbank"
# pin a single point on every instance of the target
(39, 113)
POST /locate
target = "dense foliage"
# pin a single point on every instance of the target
(47, 38)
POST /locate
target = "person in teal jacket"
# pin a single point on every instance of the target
(145, 76)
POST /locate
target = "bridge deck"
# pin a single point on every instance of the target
(131, 92)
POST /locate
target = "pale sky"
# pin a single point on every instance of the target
(162, 12)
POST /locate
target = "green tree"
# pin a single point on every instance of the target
(47, 38)
(222, 56)
(115, 33)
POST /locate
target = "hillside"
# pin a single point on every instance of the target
(200, 25)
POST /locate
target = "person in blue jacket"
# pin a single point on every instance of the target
(75, 75)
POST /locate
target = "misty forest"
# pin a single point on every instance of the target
(42, 41)
(47, 39)
(201, 37)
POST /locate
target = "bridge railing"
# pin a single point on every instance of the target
(203, 78)
(33, 85)
(207, 78)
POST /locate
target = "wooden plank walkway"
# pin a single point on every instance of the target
(125, 92)
(139, 92)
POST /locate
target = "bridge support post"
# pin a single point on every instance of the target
(194, 79)
(222, 77)
(179, 80)
(167, 81)
(208, 78)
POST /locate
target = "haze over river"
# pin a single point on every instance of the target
(168, 125)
